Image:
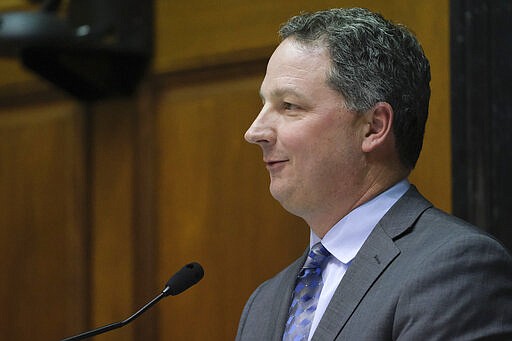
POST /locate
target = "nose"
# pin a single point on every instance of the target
(262, 130)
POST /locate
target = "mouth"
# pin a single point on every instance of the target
(274, 164)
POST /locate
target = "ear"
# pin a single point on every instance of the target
(378, 129)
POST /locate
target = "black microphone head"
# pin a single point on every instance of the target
(189, 275)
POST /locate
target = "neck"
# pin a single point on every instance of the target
(375, 183)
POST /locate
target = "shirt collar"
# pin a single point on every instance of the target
(347, 236)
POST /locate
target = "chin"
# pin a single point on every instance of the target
(279, 194)
(287, 201)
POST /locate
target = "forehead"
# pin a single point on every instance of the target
(294, 66)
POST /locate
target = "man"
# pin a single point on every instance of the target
(345, 100)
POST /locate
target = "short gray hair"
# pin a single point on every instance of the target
(373, 60)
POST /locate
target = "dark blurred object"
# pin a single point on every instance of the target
(47, 5)
(98, 49)
(481, 112)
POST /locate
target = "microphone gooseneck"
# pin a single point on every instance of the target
(189, 275)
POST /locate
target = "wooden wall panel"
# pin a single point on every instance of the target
(123, 254)
(15, 5)
(43, 242)
(112, 207)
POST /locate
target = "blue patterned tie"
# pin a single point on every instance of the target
(305, 296)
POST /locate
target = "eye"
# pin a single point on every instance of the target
(290, 106)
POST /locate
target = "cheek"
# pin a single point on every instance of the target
(314, 157)
(334, 152)
(294, 140)
(317, 143)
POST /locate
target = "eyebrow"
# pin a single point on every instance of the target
(281, 92)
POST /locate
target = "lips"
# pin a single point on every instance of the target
(274, 164)
(270, 163)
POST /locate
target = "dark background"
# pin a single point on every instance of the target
(481, 73)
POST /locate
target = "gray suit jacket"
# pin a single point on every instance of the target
(421, 275)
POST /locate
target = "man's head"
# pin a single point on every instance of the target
(372, 60)
(326, 125)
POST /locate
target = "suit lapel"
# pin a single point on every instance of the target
(369, 263)
(378, 251)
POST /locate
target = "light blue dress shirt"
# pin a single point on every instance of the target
(345, 239)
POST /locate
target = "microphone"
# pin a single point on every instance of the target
(189, 275)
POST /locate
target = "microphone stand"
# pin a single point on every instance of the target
(189, 275)
(119, 324)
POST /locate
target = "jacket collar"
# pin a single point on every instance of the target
(378, 251)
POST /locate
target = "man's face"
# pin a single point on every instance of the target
(311, 143)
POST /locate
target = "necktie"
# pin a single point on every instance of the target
(305, 296)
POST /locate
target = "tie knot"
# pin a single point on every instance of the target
(316, 257)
